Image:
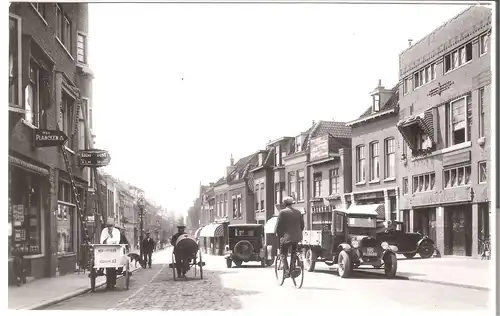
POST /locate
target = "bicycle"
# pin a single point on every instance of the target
(486, 249)
(296, 269)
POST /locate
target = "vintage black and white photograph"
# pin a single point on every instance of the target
(252, 156)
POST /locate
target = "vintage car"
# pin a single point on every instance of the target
(350, 243)
(408, 244)
(246, 243)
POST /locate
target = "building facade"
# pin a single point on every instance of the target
(263, 180)
(445, 101)
(375, 155)
(49, 88)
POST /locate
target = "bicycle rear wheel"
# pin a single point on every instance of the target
(297, 272)
(278, 271)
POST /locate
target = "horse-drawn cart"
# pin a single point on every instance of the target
(187, 251)
(109, 257)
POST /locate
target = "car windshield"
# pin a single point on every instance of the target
(238, 232)
(366, 222)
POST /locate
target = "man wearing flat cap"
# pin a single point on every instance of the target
(181, 265)
(148, 245)
(110, 236)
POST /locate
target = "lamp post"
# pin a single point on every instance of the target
(141, 203)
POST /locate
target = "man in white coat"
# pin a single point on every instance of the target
(110, 236)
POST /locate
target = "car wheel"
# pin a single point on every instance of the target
(426, 250)
(309, 260)
(409, 255)
(390, 265)
(229, 262)
(237, 263)
(344, 264)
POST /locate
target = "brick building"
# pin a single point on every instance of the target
(445, 99)
(263, 179)
(375, 154)
(49, 86)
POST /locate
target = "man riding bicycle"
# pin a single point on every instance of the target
(289, 228)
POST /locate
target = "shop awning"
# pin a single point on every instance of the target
(197, 233)
(410, 127)
(368, 209)
(212, 230)
(270, 226)
(28, 166)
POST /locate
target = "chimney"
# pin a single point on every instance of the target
(409, 42)
(231, 166)
(231, 161)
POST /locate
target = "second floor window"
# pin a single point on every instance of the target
(360, 164)
(279, 192)
(483, 172)
(459, 120)
(484, 42)
(81, 48)
(67, 108)
(481, 112)
(458, 57)
(300, 180)
(277, 156)
(14, 65)
(406, 86)
(224, 207)
(317, 177)
(63, 28)
(405, 186)
(390, 158)
(292, 184)
(262, 197)
(257, 196)
(424, 182)
(334, 181)
(425, 75)
(374, 161)
(32, 96)
(458, 176)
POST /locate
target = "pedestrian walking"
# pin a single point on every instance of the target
(148, 245)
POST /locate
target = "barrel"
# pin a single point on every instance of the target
(186, 247)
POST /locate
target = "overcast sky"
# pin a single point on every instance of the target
(180, 87)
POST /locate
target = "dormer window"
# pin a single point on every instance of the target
(261, 156)
(298, 144)
(376, 102)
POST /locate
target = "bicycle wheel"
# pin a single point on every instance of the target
(278, 271)
(297, 271)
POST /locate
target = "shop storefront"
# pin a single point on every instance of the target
(28, 205)
(213, 239)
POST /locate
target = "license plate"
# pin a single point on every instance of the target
(369, 251)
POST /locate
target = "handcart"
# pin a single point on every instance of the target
(109, 256)
(187, 248)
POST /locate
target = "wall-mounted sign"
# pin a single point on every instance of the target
(319, 148)
(48, 138)
(93, 158)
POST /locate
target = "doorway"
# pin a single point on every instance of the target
(458, 230)
(424, 221)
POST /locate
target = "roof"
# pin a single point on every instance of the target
(321, 128)
(242, 167)
(390, 104)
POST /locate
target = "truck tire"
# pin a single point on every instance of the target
(309, 259)
(344, 267)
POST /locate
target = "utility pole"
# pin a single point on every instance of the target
(141, 203)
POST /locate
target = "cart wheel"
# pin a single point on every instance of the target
(127, 276)
(173, 266)
(201, 267)
(92, 279)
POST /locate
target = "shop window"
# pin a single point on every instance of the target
(483, 172)
(455, 177)
(424, 182)
(25, 212)
(65, 219)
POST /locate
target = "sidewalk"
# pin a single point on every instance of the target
(453, 271)
(48, 291)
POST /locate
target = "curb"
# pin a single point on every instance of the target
(415, 279)
(70, 295)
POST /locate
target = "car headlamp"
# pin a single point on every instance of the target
(384, 245)
(355, 244)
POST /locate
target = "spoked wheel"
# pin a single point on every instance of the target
(297, 274)
(127, 276)
(201, 266)
(278, 271)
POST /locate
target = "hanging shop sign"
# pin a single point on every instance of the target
(48, 138)
(93, 158)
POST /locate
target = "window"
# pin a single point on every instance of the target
(458, 57)
(88, 111)
(15, 92)
(406, 85)
(405, 186)
(224, 207)
(300, 179)
(484, 42)
(481, 112)
(459, 121)
(339, 223)
(257, 196)
(424, 76)
(298, 144)
(262, 195)
(483, 172)
(292, 184)
(67, 108)
(63, 28)
(279, 192)
(455, 177)
(235, 208)
(334, 181)
(376, 102)
(41, 8)
(277, 156)
(81, 48)
(390, 158)
(317, 177)
(240, 209)
(374, 161)
(423, 182)
(32, 95)
(360, 164)
(65, 219)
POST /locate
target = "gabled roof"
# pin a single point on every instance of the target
(335, 129)
(241, 167)
(390, 104)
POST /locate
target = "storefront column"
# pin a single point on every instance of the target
(51, 229)
(387, 206)
(353, 201)
(440, 229)
(410, 229)
(398, 213)
(475, 230)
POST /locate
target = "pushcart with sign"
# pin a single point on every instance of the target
(109, 256)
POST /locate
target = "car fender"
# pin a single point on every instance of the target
(425, 239)
(388, 251)
(345, 247)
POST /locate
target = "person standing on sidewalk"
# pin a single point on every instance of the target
(110, 236)
(148, 245)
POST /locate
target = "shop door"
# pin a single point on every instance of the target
(461, 237)
(432, 224)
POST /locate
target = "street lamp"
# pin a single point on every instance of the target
(141, 203)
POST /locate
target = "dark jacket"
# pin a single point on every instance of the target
(123, 239)
(148, 245)
(290, 225)
(173, 240)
